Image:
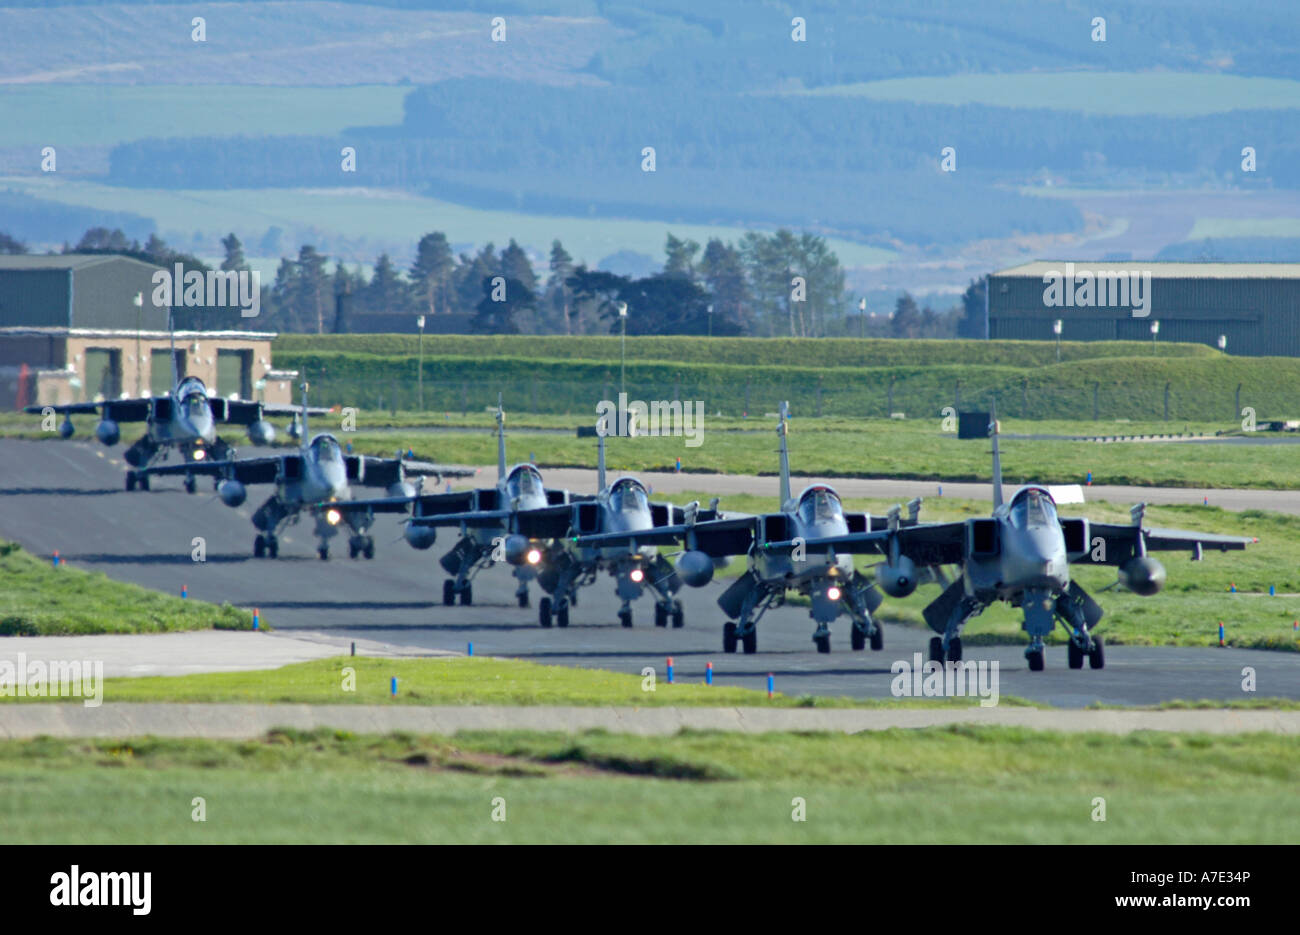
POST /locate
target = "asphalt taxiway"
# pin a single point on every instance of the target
(69, 496)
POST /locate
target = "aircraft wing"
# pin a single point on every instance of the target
(476, 518)
(246, 471)
(927, 544)
(242, 412)
(717, 538)
(1121, 541)
(72, 409)
(384, 472)
(377, 505)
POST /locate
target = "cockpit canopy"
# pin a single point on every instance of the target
(628, 496)
(326, 449)
(193, 396)
(524, 481)
(819, 504)
(1033, 508)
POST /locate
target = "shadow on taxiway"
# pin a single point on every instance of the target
(56, 492)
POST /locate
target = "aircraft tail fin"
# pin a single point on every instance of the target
(171, 333)
(997, 457)
(782, 429)
(501, 441)
(304, 437)
(600, 459)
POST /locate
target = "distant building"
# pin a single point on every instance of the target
(1255, 307)
(70, 331)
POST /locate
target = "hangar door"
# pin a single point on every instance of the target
(103, 373)
(160, 370)
(235, 374)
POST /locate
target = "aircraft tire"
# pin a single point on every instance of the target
(1074, 655)
(1035, 660)
(544, 612)
(678, 615)
(467, 595)
(661, 616)
(625, 618)
(749, 642)
(523, 599)
(448, 593)
(130, 480)
(936, 649)
(878, 638)
(823, 643)
(190, 484)
(259, 547)
(954, 649)
(144, 481)
(1097, 658)
(324, 553)
(857, 639)
(728, 637)
(562, 615)
(272, 547)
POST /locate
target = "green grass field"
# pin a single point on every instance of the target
(37, 599)
(467, 681)
(999, 785)
(386, 218)
(1110, 93)
(107, 114)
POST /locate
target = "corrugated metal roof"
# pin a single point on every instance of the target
(1040, 268)
(64, 261)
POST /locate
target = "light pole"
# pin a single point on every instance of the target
(710, 319)
(862, 317)
(420, 322)
(1056, 330)
(622, 364)
(1223, 342)
(138, 302)
(1155, 330)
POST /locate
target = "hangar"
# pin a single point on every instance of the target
(71, 331)
(1251, 309)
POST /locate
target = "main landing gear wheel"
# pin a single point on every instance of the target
(1074, 655)
(954, 649)
(144, 481)
(1097, 658)
(857, 639)
(191, 484)
(448, 592)
(544, 612)
(678, 615)
(466, 595)
(130, 480)
(749, 642)
(661, 615)
(1035, 657)
(878, 638)
(936, 649)
(728, 637)
(823, 643)
(259, 547)
(625, 617)
(272, 547)
(368, 550)
(562, 614)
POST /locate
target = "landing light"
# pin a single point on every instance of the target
(637, 575)
(332, 517)
(199, 454)
(534, 556)
(833, 593)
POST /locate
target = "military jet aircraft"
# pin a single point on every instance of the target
(316, 480)
(1022, 555)
(490, 521)
(184, 420)
(618, 531)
